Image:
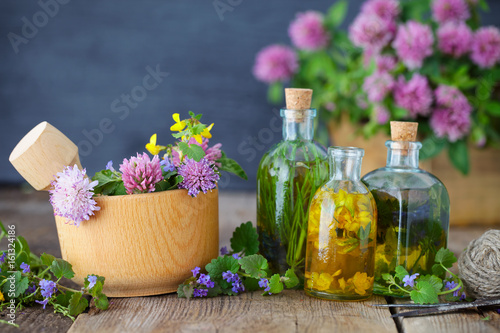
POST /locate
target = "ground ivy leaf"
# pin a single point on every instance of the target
(215, 291)
(251, 284)
(438, 270)
(424, 293)
(62, 268)
(20, 284)
(245, 238)
(101, 301)
(292, 280)
(275, 284)
(220, 265)
(433, 280)
(254, 265)
(77, 304)
(47, 259)
(445, 257)
(63, 299)
(401, 272)
(387, 277)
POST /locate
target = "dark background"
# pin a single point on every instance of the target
(90, 53)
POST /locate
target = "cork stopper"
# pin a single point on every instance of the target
(404, 131)
(298, 99)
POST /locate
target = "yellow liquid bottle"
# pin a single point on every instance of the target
(340, 255)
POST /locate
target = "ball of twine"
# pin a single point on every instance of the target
(479, 266)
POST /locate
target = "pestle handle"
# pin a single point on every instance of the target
(42, 153)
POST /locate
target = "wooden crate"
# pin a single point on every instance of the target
(473, 197)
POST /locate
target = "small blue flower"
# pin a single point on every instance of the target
(409, 280)
(200, 292)
(228, 276)
(223, 251)
(463, 297)
(25, 267)
(167, 165)
(2, 257)
(236, 256)
(44, 302)
(92, 280)
(196, 271)
(109, 166)
(31, 289)
(264, 283)
(449, 285)
(205, 280)
(48, 288)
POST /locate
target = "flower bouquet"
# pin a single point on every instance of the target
(147, 212)
(397, 62)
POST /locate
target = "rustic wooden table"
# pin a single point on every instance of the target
(291, 311)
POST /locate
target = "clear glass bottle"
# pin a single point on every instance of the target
(413, 213)
(288, 176)
(340, 254)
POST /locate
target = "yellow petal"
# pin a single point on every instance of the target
(206, 131)
(197, 137)
(178, 126)
(152, 140)
(153, 149)
(176, 117)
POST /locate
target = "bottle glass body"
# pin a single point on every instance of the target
(413, 214)
(287, 178)
(342, 230)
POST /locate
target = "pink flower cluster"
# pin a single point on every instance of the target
(485, 50)
(378, 85)
(451, 118)
(454, 38)
(413, 43)
(275, 63)
(307, 31)
(414, 95)
(140, 174)
(450, 11)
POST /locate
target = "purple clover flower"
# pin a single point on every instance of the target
(140, 174)
(196, 271)
(413, 43)
(200, 292)
(71, 195)
(409, 280)
(44, 302)
(224, 251)
(25, 267)
(197, 176)
(48, 288)
(450, 10)
(275, 63)
(92, 281)
(307, 31)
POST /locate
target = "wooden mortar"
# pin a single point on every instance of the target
(143, 244)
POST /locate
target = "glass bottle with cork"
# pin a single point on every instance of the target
(340, 254)
(288, 176)
(413, 209)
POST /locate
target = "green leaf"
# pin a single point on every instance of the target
(363, 233)
(109, 183)
(493, 108)
(251, 284)
(192, 151)
(215, 291)
(220, 265)
(438, 270)
(63, 299)
(101, 301)
(97, 288)
(230, 165)
(387, 277)
(275, 93)
(445, 257)
(424, 293)
(401, 272)
(47, 259)
(185, 291)
(275, 284)
(62, 268)
(292, 279)
(336, 14)
(459, 156)
(20, 285)
(77, 304)
(254, 265)
(245, 238)
(433, 280)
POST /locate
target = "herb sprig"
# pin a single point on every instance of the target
(238, 270)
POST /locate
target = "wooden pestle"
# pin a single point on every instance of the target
(42, 153)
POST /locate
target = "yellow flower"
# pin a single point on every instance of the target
(361, 283)
(342, 284)
(346, 200)
(152, 147)
(1, 297)
(320, 281)
(206, 131)
(179, 125)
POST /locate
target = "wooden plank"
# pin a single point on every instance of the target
(35, 319)
(291, 311)
(465, 321)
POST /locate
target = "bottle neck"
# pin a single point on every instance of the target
(298, 124)
(345, 163)
(402, 154)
